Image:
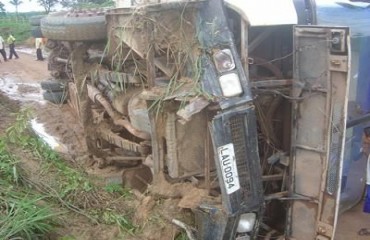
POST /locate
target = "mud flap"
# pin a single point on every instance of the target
(320, 89)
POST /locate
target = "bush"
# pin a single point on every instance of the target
(19, 25)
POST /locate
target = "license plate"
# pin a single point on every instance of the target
(226, 156)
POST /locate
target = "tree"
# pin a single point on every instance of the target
(2, 9)
(16, 3)
(47, 4)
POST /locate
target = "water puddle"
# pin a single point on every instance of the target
(21, 91)
(53, 142)
(30, 51)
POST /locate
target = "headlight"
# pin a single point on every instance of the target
(224, 60)
(230, 85)
(246, 222)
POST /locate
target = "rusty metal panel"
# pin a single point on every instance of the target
(320, 88)
(312, 127)
(307, 211)
(185, 149)
(307, 182)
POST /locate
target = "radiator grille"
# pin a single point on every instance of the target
(241, 154)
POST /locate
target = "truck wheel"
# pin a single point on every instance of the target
(55, 97)
(53, 86)
(74, 26)
(36, 32)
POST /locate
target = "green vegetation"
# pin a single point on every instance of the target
(110, 217)
(82, 4)
(91, 4)
(182, 236)
(18, 23)
(19, 26)
(30, 207)
(23, 216)
(117, 188)
(21, 213)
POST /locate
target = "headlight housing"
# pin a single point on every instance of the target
(224, 60)
(246, 222)
(230, 85)
(229, 79)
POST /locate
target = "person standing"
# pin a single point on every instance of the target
(11, 42)
(39, 44)
(2, 48)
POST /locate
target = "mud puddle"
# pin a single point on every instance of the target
(15, 89)
(30, 94)
(50, 140)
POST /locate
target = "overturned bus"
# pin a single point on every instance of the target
(232, 97)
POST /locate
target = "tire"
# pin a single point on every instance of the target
(55, 97)
(36, 32)
(61, 26)
(35, 20)
(53, 86)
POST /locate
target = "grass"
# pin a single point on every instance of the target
(21, 213)
(8, 169)
(23, 216)
(26, 207)
(182, 236)
(179, 49)
(19, 27)
(70, 179)
(118, 189)
(110, 217)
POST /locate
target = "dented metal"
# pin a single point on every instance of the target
(218, 93)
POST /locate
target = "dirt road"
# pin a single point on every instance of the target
(25, 69)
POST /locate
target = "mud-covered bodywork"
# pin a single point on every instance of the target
(191, 92)
(197, 130)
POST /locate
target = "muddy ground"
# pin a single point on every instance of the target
(20, 87)
(20, 80)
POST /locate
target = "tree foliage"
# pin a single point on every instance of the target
(86, 3)
(48, 4)
(16, 3)
(2, 8)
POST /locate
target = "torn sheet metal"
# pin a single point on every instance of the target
(196, 105)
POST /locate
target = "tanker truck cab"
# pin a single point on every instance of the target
(232, 98)
(299, 78)
(250, 104)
